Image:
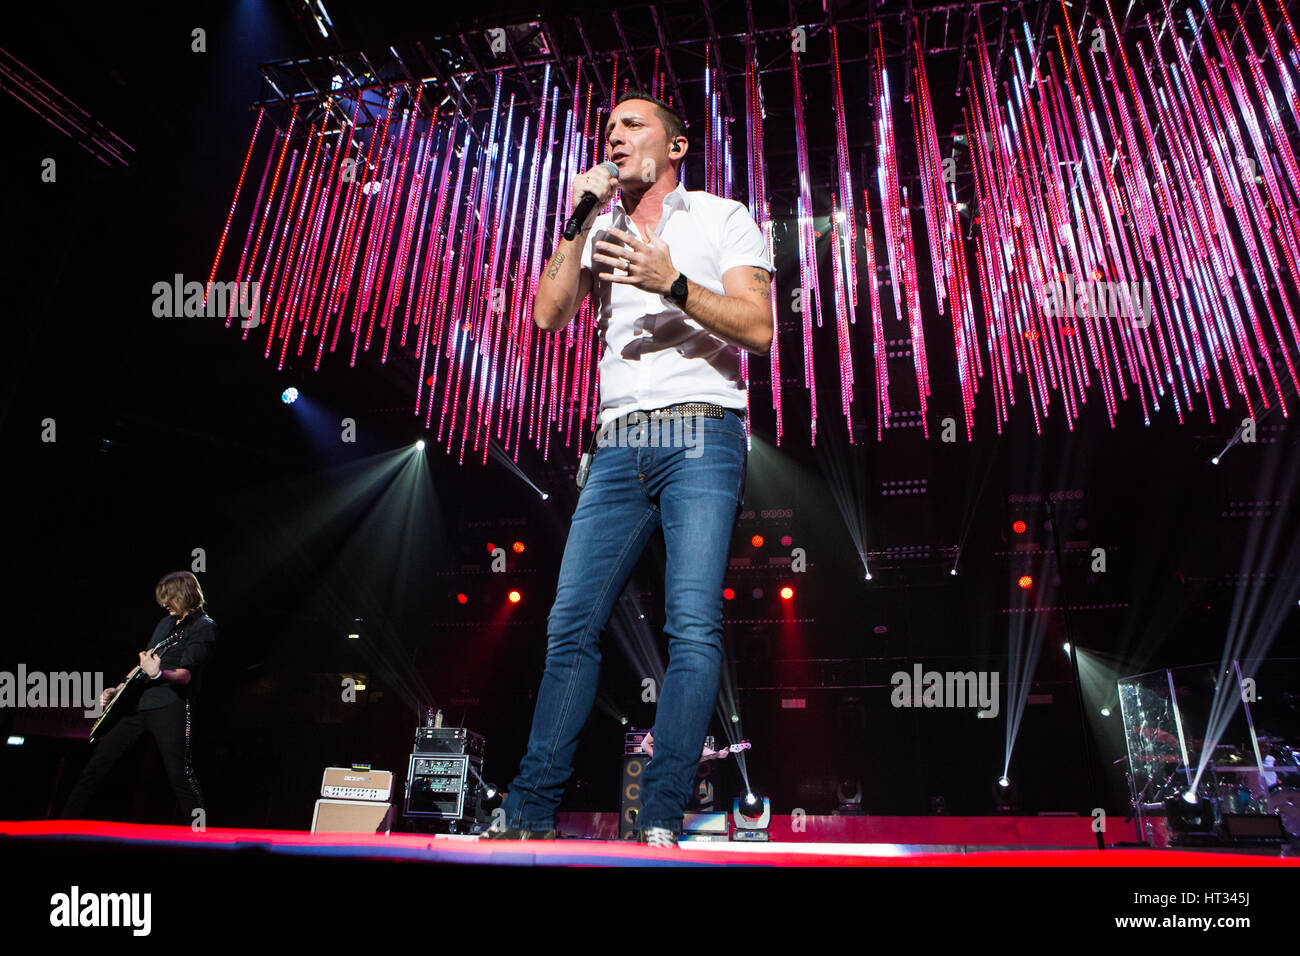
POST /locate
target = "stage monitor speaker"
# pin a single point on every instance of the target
(351, 816)
(1254, 828)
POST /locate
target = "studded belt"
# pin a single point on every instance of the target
(680, 410)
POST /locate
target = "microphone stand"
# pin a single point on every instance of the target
(1074, 665)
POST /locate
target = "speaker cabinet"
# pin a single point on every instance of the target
(351, 816)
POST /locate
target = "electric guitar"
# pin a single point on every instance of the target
(133, 687)
(733, 749)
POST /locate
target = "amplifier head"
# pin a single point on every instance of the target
(350, 783)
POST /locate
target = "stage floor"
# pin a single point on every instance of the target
(120, 839)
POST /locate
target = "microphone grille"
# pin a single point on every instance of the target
(609, 168)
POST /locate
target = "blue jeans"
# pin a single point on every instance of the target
(693, 491)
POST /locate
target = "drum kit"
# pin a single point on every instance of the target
(1233, 782)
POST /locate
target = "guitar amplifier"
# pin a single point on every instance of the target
(350, 783)
(351, 816)
(448, 740)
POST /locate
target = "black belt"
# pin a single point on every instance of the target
(680, 410)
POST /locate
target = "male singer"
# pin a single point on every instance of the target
(682, 282)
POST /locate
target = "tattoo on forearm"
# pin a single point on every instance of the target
(762, 280)
(555, 265)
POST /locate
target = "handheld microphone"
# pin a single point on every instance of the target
(585, 205)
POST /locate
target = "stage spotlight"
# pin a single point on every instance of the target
(462, 598)
(848, 796)
(1189, 818)
(354, 637)
(1105, 711)
(1025, 582)
(419, 445)
(868, 576)
(1018, 527)
(953, 572)
(491, 798)
(728, 594)
(15, 741)
(1214, 460)
(1066, 647)
(515, 597)
(1004, 796)
(751, 820)
(756, 540)
(735, 718)
(518, 547)
(623, 720)
(289, 395)
(787, 592)
(545, 496)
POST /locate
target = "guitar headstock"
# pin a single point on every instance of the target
(167, 642)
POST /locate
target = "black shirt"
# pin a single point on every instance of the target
(190, 652)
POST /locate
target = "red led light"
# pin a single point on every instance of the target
(515, 597)
(1030, 220)
(787, 592)
(728, 594)
(519, 547)
(491, 547)
(1025, 582)
(756, 541)
(462, 598)
(1018, 527)
(786, 541)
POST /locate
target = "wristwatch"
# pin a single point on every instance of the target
(677, 294)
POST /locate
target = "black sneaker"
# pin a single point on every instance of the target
(513, 833)
(656, 836)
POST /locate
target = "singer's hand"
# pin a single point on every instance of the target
(646, 265)
(598, 182)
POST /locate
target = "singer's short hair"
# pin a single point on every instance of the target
(674, 126)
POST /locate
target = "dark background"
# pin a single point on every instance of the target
(171, 437)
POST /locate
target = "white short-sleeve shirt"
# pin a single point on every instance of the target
(654, 354)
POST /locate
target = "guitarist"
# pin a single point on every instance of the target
(165, 709)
